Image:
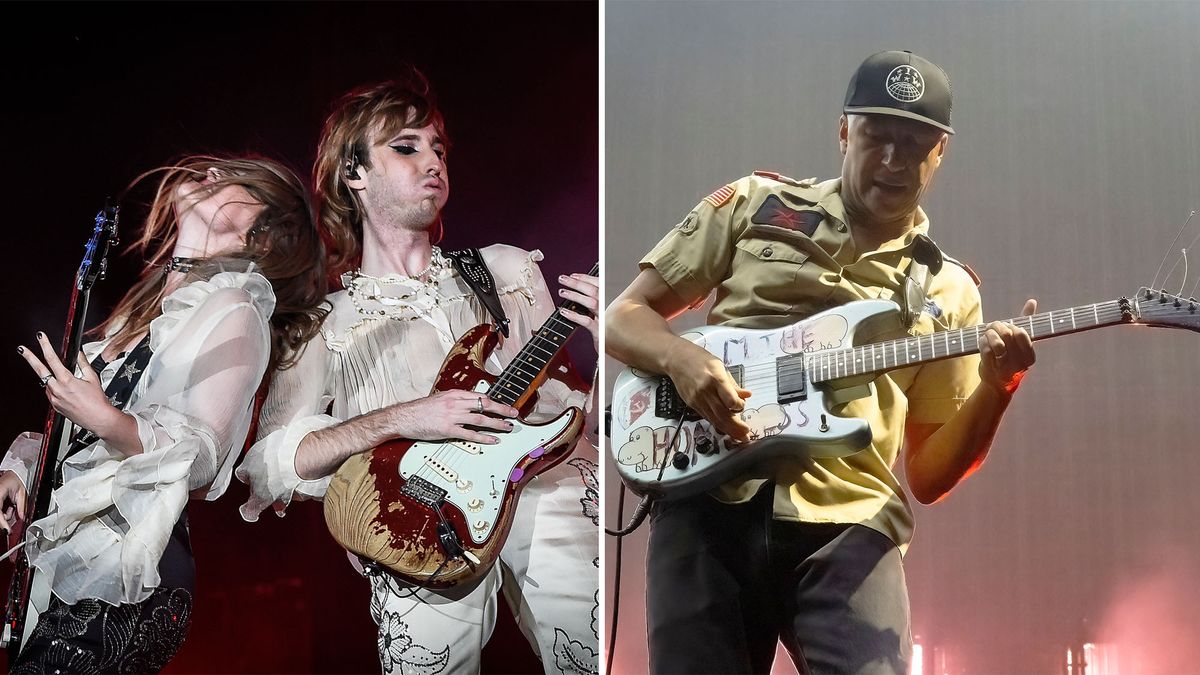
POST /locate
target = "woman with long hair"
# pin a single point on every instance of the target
(231, 291)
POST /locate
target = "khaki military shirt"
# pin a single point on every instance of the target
(776, 251)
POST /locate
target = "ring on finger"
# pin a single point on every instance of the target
(42, 381)
(479, 402)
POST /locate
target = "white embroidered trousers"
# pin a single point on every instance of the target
(548, 570)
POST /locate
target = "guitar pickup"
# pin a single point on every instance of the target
(468, 447)
(442, 470)
(791, 381)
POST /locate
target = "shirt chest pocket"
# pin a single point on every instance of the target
(771, 251)
(770, 275)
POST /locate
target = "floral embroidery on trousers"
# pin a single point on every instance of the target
(94, 637)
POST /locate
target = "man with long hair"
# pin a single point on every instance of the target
(381, 180)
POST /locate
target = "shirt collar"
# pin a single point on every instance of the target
(828, 195)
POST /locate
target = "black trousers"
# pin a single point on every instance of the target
(726, 582)
(95, 637)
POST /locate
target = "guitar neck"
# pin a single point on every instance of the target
(881, 357)
(44, 477)
(527, 370)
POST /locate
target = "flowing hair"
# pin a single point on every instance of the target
(282, 244)
(364, 114)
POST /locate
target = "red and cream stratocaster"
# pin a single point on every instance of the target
(797, 372)
(437, 513)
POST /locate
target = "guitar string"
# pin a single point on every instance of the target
(563, 327)
(453, 457)
(836, 360)
(1171, 247)
(834, 363)
(1040, 325)
(1183, 257)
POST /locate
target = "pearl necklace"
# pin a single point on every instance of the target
(391, 305)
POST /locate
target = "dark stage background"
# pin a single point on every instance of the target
(96, 94)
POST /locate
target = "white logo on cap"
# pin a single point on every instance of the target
(905, 84)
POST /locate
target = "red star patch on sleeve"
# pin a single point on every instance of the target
(722, 195)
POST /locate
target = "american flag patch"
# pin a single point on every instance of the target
(721, 196)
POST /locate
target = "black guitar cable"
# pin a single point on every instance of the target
(639, 515)
(451, 545)
(643, 507)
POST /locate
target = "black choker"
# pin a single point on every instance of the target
(181, 264)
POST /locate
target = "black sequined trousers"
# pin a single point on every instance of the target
(92, 636)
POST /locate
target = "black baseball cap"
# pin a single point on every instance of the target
(902, 84)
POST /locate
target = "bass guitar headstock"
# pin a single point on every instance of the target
(1165, 310)
(95, 256)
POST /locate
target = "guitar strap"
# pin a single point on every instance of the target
(926, 258)
(474, 271)
(119, 391)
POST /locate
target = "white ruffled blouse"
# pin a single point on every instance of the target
(384, 345)
(111, 519)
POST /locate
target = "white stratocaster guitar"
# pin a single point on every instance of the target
(794, 384)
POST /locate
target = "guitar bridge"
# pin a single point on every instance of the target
(668, 404)
(423, 491)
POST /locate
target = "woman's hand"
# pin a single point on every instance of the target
(12, 502)
(80, 399)
(584, 290)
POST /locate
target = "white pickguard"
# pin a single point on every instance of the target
(476, 476)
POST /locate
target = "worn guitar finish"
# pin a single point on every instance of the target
(796, 373)
(387, 504)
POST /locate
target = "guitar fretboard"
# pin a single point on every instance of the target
(889, 355)
(523, 372)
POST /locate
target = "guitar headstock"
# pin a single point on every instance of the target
(1164, 310)
(95, 255)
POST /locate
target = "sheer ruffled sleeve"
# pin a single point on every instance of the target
(110, 520)
(22, 455)
(294, 408)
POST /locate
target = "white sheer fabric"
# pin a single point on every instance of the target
(110, 520)
(367, 361)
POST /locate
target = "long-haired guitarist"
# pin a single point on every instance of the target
(382, 180)
(162, 403)
(808, 551)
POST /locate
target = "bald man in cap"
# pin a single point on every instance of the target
(808, 551)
